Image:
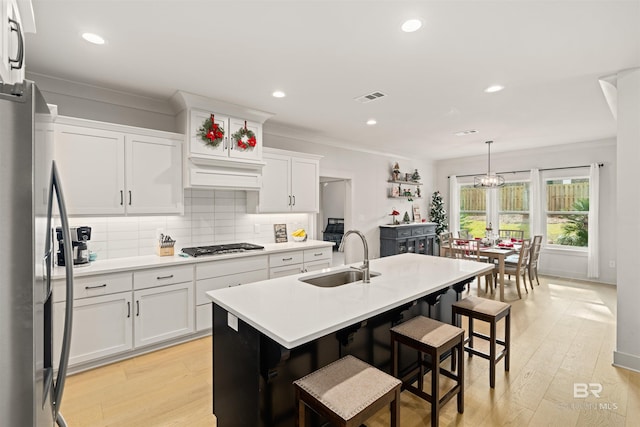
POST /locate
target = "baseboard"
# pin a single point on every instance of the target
(627, 361)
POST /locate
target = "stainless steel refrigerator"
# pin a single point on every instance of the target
(31, 387)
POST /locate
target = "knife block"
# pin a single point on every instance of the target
(164, 251)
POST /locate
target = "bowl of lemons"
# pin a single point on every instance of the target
(299, 235)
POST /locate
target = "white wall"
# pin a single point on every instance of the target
(556, 262)
(210, 217)
(627, 351)
(369, 171)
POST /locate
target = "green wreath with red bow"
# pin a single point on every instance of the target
(244, 138)
(210, 132)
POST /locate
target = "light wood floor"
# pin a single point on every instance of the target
(563, 332)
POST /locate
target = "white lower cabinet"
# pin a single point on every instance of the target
(102, 326)
(163, 313)
(120, 312)
(223, 274)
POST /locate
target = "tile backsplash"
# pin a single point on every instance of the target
(210, 217)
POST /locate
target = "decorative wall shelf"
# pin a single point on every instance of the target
(404, 182)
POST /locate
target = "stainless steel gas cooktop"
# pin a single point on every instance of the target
(221, 249)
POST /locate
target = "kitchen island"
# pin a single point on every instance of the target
(267, 334)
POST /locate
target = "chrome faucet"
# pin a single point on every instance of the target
(365, 263)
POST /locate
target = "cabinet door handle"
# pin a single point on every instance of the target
(289, 200)
(20, 54)
(121, 197)
(234, 285)
(129, 197)
(128, 309)
(224, 143)
(137, 307)
(294, 200)
(165, 277)
(287, 259)
(320, 254)
(104, 285)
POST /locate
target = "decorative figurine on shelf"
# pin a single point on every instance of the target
(417, 191)
(395, 172)
(407, 192)
(407, 177)
(394, 214)
(415, 177)
(406, 218)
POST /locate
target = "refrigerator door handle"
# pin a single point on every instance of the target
(58, 387)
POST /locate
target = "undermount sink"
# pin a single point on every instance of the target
(336, 278)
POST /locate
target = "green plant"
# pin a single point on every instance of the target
(575, 232)
(438, 214)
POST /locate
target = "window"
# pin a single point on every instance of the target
(473, 210)
(513, 207)
(567, 211)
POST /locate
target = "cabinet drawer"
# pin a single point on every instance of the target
(317, 254)
(91, 286)
(285, 270)
(162, 276)
(403, 232)
(418, 231)
(286, 258)
(206, 285)
(230, 266)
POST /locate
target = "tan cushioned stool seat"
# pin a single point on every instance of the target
(347, 386)
(428, 331)
(481, 305)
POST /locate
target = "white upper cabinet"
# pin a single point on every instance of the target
(245, 139)
(205, 144)
(91, 166)
(106, 169)
(153, 169)
(290, 183)
(224, 148)
(11, 43)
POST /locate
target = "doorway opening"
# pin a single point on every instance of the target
(335, 210)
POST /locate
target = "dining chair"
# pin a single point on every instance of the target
(534, 255)
(511, 234)
(470, 250)
(464, 234)
(445, 243)
(519, 268)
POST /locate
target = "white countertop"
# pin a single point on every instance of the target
(151, 261)
(292, 312)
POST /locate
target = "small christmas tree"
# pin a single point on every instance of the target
(415, 176)
(406, 218)
(438, 214)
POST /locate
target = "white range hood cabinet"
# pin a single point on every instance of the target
(222, 168)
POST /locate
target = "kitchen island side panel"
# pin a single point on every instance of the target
(236, 367)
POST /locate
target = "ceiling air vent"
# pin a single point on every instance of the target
(370, 97)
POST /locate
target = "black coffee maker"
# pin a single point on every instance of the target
(80, 250)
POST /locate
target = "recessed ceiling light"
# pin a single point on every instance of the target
(411, 25)
(93, 38)
(371, 122)
(466, 132)
(494, 88)
(279, 94)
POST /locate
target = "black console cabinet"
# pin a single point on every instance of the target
(416, 238)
